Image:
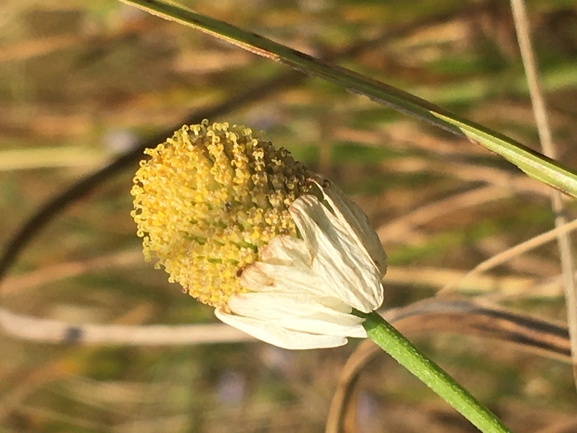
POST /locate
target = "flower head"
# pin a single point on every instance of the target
(281, 253)
(208, 199)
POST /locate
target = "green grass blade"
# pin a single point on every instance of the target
(531, 162)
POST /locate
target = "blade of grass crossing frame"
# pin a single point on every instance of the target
(532, 163)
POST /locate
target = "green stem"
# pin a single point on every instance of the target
(532, 163)
(396, 345)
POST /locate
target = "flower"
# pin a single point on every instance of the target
(281, 253)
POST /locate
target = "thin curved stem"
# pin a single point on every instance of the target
(546, 137)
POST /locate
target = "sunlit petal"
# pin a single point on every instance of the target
(344, 266)
(279, 336)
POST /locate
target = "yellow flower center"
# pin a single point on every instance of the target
(206, 201)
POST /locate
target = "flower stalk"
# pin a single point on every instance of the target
(405, 353)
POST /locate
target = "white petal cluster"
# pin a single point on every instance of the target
(301, 293)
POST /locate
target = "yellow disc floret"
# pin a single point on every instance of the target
(206, 201)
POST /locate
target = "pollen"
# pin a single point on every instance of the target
(206, 201)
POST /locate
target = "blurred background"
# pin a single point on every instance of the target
(83, 82)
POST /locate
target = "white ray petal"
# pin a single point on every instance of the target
(279, 336)
(345, 266)
(286, 249)
(298, 312)
(274, 278)
(345, 208)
